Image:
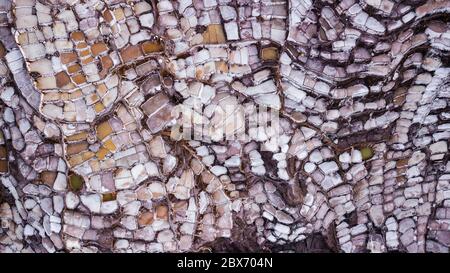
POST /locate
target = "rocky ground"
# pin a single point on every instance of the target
(225, 126)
